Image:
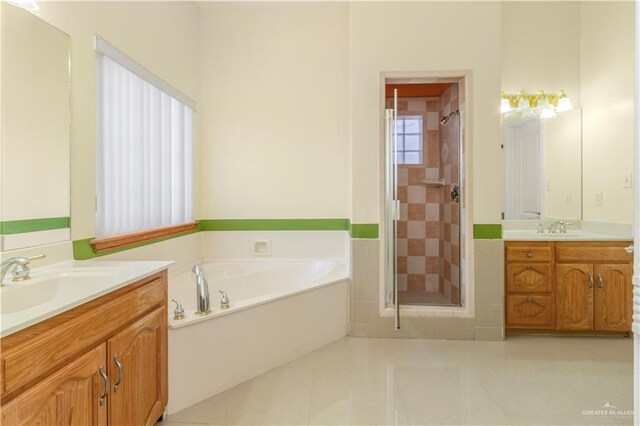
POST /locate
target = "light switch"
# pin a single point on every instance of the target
(598, 198)
(628, 179)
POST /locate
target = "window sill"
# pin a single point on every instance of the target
(116, 242)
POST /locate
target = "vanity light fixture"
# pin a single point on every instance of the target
(30, 5)
(564, 102)
(544, 107)
(505, 105)
(542, 104)
(524, 105)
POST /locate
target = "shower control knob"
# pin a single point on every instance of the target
(455, 194)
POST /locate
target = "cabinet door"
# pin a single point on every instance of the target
(74, 395)
(612, 309)
(137, 358)
(574, 297)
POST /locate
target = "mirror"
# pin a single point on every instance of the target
(543, 166)
(585, 56)
(35, 116)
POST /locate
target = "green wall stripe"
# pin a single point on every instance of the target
(364, 230)
(487, 232)
(33, 225)
(274, 224)
(82, 250)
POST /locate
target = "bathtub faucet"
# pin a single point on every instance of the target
(202, 291)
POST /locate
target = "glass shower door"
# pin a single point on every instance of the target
(392, 208)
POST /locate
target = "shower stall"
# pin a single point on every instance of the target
(423, 175)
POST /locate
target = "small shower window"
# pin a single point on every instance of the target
(410, 141)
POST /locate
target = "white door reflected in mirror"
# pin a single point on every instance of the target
(543, 166)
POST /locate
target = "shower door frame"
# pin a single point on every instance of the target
(466, 309)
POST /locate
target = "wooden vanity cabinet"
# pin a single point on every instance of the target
(574, 286)
(102, 363)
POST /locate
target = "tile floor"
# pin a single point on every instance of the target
(523, 380)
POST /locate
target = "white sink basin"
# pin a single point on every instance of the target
(27, 295)
(57, 288)
(570, 235)
(44, 286)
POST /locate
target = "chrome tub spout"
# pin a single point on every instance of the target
(203, 307)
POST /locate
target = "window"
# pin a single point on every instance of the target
(410, 145)
(145, 148)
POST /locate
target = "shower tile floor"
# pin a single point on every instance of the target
(522, 380)
(423, 298)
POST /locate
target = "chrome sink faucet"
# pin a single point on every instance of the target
(21, 270)
(203, 306)
(559, 226)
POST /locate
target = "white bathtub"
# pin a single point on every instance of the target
(279, 310)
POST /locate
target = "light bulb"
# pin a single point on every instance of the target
(544, 107)
(523, 105)
(505, 106)
(564, 102)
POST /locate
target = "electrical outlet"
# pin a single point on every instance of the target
(628, 179)
(598, 198)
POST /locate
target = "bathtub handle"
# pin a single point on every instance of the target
(178, 312)
(224, 300)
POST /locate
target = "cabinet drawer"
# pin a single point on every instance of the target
(52, 348)
(529, 254)
(529, 277)
(584, 253)
(529, 311)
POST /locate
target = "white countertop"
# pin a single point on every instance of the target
(571, 235)
(62, 286)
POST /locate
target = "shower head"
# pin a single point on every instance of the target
(444, 120)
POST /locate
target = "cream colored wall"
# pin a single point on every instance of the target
(419, 37)
(162, 36)
(275, 117)
(541, 47)
(35, 117)
(608, 34)
(562, 164)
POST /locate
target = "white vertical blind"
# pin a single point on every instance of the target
(144, 158)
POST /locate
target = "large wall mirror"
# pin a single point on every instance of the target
(568, 111)
(542, 166)
(35, 131)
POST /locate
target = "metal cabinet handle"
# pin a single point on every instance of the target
(590, 281)
(600, 281)
(103, 398)
(629, 249)
(530, 254)
(530, 267)
(530, 299)
(116, 386)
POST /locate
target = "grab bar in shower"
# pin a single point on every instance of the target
(433, 182)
